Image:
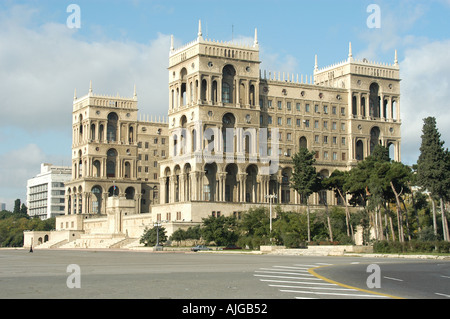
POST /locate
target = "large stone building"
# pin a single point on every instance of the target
(231, 131)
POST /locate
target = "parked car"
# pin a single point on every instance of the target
(200, 247)
(230, 247)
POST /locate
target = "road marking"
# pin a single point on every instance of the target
(286, 269)
(286, 277)
(293, 268)
(298, 282)
(284, 272)
(322, 288)
(334, 294)
(312, 271)
(445, 276)
(436, 293)
(309, 266)
(392, 278)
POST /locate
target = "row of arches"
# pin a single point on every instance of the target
(225, 138)
(109, 131)
(226, 88)
(109, 166)
(365, 146)
(375, 105)
(227, 183)
(93, 200)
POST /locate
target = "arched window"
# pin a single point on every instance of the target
(226, 97)
(97, 199)
(111, 163)
(129, 193)
(111, 134)
(228, 74)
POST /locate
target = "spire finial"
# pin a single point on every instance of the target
(350, 54)
(315, 65)
(200, 35)
(171, 42)
(135, 94)
(90, 87)
(75, 94)
(256, 38)
(396, 58)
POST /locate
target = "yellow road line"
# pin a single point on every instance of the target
(312, 272)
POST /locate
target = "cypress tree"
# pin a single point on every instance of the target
(433, 167)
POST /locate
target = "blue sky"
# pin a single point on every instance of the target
(122, 43)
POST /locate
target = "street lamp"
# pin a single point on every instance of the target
(271, 197)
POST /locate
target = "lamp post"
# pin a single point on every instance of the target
(157, 225)
(271, 197)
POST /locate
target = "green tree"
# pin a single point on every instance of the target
(221, 230)
(194, 233)
(433, 169)
(153, 235)
(178, 235)
(254, 228)
(290, 229)
(305, 179)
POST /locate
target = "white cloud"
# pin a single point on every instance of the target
(425, 90)
(42, 67)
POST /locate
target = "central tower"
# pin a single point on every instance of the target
(214, 117)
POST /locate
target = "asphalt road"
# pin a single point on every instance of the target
(78, 274)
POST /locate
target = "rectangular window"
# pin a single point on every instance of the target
(334, 156)
(334, 140)
(289, 136)
(289, 122)
(316, 124)
(343, 141)
(333, 110)
(155, 140)
(269, 119)
(325, 124)
(316, 108)
(343, 111)
(325, 109)
(316, 139)
(334, 126)
(325, 155)
(299, 122)
(269, 104)
(307, 108)
(289, 106)
(280, 121)
(306, 123)
(325, 139)
(279, 105)
(298, 107)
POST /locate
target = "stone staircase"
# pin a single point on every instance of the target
(96, 241)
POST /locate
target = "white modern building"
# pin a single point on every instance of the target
(45, 191)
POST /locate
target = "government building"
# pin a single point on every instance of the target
(226, 145)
